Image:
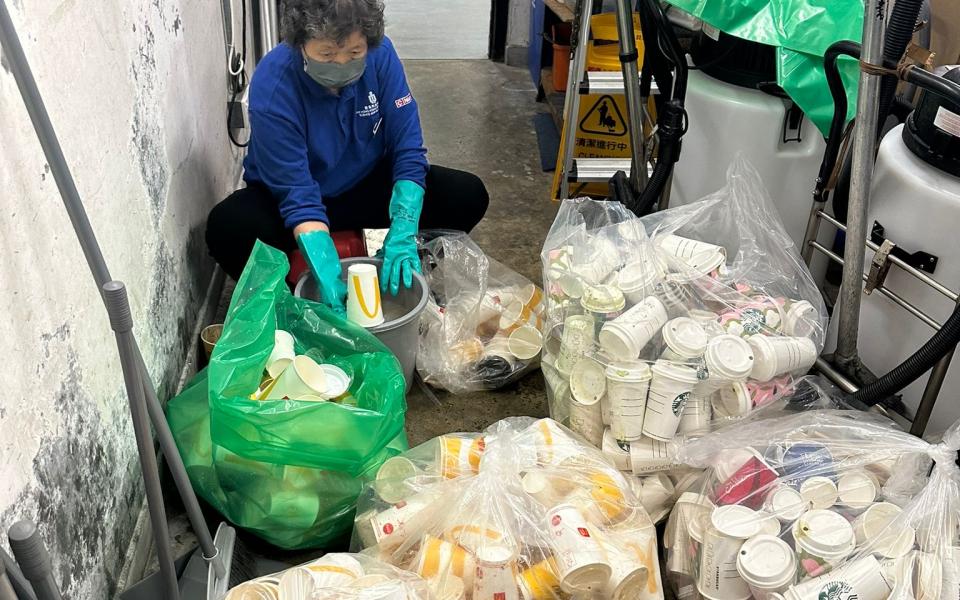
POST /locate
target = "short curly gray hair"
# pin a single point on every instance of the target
(303, 20)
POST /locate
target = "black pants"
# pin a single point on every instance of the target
(453, 200)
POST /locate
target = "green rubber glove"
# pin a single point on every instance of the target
(321, 255)
(400, 257)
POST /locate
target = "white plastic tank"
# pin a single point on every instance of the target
(918, 205)
(725, 119)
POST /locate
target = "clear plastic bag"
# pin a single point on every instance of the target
(821, 505)
(482, 328)
(663, 326)
(525, 510)
(338, 576)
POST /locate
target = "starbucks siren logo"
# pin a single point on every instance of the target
(837, 590)
(679, 402)
(753, 320)
(703, 373)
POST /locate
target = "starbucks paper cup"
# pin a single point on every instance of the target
(440, 558)
(727, 359)
(686, 249)
(363, 295)
(649, 456)
(802, 319)
(581, 561)
(577, 340)
(857, 489)
(670, 389)
(862, 579)
(304, 377)
(685, 339)
(638, 280)
(525, 342)
(627, 386)
(733, 400)
(625, 337)
(785, 503)
(767, 564)
(696, 415)
(541, 581)
(496, 574)
(617, 454)
(282, 354)
(819, 492)
(874, 520)
(823, 540)
(674, 294)
(774, 355)
(682, 553)
(729, 528)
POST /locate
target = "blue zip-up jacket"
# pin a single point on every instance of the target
(308, 144)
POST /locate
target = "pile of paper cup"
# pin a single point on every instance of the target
(289, 376)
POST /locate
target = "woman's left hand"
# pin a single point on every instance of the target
(400, 258)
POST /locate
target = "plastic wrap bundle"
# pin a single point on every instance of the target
(525, 510)
(482, 328)
(822, 505)
(662, 326)
(338, 576)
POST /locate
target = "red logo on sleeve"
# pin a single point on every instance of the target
(388, 528)
(401, 102)
(555, 520)
(583, 532)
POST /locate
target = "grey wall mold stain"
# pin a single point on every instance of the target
(145, 131)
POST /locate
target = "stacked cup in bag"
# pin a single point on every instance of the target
(337, 576)
(523, 511)
(824, 505)
(659, 327)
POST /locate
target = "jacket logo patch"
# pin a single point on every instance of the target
(372, 108)
(401, 102)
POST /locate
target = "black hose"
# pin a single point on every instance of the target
(944, 340)
(839, 94)
(903, 20)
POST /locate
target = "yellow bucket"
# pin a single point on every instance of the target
(604, 27)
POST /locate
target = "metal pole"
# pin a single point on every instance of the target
(631, 89)
(118, 308)
(33, 558)
(15, 576)
(813, 230)
(571, 102)
(930, 394)
(33, 101)
(864, 149)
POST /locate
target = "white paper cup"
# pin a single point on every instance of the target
(785, 503)
(625, 337)
(587, 386)
(393, 526)
(525, 342)
(670, 388)
(581, 561)
(874, 520)
(617, 454)
(656, 491)
(862, 579)
(767, 564)
(649, 456)
(696, 415)
(496, 574)
(681, 551)
(363, 295)
(638, 280)
(951, 573)
(392, 476)
(629, 572)
(304, 377)
(685, 339)
(595, 266)
(335, 570)
(709, 320)
(729, 461)
(823, 540)
(576, 341)
(801, 320)
(540, 581)
(254, 590)
(686, 248)
(775, 355)
(819, 492)
(928, 576)
(282, 354)
(733, 400)
(857, 489)
(628, 384)
(541, 488)
(728, 359)
(730, 526)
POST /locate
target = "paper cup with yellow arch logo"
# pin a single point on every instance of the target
(363, 295)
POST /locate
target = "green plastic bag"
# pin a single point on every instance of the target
(801, 30)
(289, 471)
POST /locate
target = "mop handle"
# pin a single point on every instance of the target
(6, 588)
(118, 308)
(33, 101)
(34, 560)
(14, 576)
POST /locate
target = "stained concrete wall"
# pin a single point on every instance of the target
(137, 92)
(518, 32)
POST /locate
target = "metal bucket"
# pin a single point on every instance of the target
(400, 331)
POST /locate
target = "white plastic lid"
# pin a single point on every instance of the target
(769, 524)
(857, 488)
(337, 381)
(638, 276)
(703, 316)
(786, 503)
(587, 381)
(629, 371)
(602, 299)
(729, 357)
(824, 533)
(733, 400)
(707, 261)
(685, 337)
(671, 370)
(728, 461)
(578, 323)
(494, 554)
(766, 561)
(819, 492)
(397, 467)
(736, 521)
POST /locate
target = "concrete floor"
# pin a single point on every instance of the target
(432, 29)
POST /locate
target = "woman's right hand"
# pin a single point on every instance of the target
(318, 249)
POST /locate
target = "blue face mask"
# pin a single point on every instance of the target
(334, 75)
